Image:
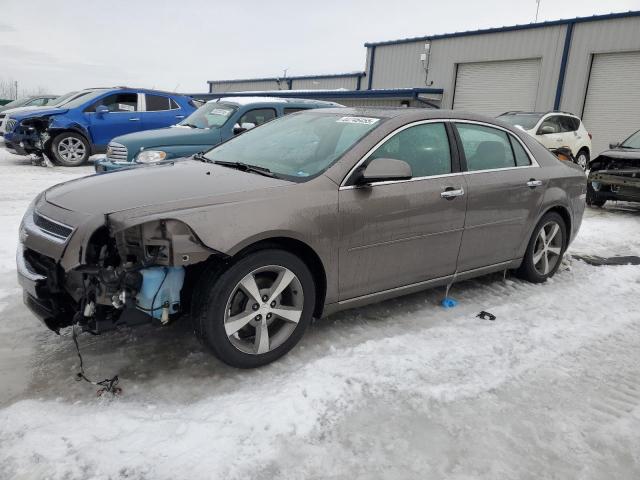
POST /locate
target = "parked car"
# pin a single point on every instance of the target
(69, 134)
(303, 216)
(615, 173)
(33, 101)
(57, 102)
(215, 122)
(553, 130)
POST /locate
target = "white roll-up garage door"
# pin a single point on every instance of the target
(492, 88)
(612, 106)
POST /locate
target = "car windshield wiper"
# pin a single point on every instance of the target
(201, 156)
(189, 125)
(247, 168)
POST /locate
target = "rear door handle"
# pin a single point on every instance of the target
(179, 116)
(450, 193)
(134, 119)
(533, 183)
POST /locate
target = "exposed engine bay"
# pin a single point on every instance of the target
(614, 176)
(128, 277)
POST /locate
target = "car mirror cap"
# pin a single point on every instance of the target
(385, 170)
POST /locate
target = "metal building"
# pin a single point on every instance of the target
(589, 66)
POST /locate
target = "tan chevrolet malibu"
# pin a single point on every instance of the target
(306, 215)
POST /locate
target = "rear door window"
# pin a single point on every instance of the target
(156, 103)
(554, 122)
(258, 116)
(485, 148)
(424, 147)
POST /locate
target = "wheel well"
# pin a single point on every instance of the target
(564, 213)
(585, 149)
(307, 255)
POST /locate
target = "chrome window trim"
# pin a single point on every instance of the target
(534, 163)
(532, 159)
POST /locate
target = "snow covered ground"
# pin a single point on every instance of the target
(402, 389)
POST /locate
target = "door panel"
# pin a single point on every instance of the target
(398, 234)
(123, 117)
(500, 208)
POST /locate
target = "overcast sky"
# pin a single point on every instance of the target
(180, 44)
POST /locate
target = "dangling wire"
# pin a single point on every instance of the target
(107, 385)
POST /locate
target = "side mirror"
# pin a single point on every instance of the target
(546, 130)
(243, 127)
(614, 145)
(385, 170)
(101, 110)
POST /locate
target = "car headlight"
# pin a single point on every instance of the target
(151, 156)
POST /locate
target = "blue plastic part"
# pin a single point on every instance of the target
(448, 302)
(163, 283)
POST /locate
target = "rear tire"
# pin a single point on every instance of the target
(247, 332)
(70, 149)
(545, 250)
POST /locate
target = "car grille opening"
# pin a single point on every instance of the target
(11, 124)
(117, 152)
(52, 228)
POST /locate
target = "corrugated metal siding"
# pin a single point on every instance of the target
(349, 83)
(400, 66)
(591, 38)
(612, 106)
(248, 86)
(492, 88)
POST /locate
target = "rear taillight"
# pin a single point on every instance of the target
(590, 136)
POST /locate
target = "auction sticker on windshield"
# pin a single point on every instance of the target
(220, 111)
(360, 120)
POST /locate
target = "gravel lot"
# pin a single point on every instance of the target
(402, 389)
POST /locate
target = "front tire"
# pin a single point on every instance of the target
(545, 249)
(255, 311)
(70, 149)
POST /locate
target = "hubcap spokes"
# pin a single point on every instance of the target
(263, 309)
(71, 149)
(548, 248)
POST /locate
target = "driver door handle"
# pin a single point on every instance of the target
(179, 116)
(134, 119)
(533, 183)
(450, 193)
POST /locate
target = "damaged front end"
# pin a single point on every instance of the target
(30, 136)
(128, 277)
(614, 176)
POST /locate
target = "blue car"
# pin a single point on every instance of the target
(68, 135)
(215, 122)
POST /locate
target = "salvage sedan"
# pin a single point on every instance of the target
(301, 217)
(615, 173)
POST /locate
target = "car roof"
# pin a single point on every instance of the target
(271, 100)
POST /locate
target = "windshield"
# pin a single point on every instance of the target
(524, 120)
(297, 146)
(82, 99)
(210, 115)
(16, 103)
(633, 141)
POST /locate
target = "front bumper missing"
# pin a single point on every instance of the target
(621, 185)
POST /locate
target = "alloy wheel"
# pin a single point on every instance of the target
(582, 161)
(264, 309)
(71, 149)
(548, 248)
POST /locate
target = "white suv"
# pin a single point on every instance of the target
(555, 130)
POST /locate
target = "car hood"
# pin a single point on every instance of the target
(622, 153)
(168, 136)
(164, 187)
(10, 111)
(39, 112)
